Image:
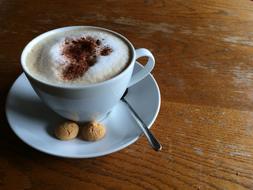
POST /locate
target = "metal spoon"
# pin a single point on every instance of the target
(151, 138)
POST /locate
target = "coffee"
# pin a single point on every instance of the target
(58, 63)
(78, 56)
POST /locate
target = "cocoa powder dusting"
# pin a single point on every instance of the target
(106, 51)
(98, 42)
(82, 53)
(73, 71)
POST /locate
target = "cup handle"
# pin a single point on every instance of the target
(142, 52)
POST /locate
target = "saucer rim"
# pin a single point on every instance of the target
(93, 155)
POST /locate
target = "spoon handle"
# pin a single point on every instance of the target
(151, 138)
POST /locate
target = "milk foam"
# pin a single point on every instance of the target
(46, 61)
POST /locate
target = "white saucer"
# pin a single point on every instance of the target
(33, 122)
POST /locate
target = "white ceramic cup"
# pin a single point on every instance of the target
(92, 101)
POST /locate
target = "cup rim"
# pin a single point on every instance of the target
(69, 86)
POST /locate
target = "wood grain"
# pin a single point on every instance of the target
(204, 68)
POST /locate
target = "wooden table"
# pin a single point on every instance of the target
(204, 68)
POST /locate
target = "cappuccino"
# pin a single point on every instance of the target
(78, 56)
